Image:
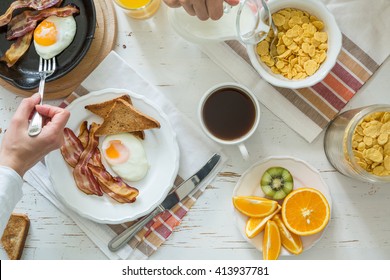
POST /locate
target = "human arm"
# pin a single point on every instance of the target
(19, 152)
(203, 9)
(10, 193)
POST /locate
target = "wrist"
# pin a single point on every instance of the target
(13, 163)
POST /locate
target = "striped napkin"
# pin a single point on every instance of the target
(157, 231)
(309, 110)
(190, 139)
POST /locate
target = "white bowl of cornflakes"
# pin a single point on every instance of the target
(309, 43)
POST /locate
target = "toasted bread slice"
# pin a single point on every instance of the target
(139, 134)
(123, 117)
(102, 109)
(15, 234)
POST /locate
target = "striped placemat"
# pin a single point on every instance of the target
(150, 238)
(154, 234)
(323, 101)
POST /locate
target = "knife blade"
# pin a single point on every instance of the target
(190, 184)
(175, 196)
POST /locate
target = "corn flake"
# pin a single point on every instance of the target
(278, 19)
(318, 24)
(386, 163)
(321, 36)
(310, 67)
(378, 170)
(263, 48)
(383, 138)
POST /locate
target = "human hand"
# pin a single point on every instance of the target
(20, 151)
(203, 9)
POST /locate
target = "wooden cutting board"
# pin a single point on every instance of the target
(102, 44)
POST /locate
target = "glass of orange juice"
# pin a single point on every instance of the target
(139, 9)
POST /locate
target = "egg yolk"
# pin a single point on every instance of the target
(117, 152)
(46, 33)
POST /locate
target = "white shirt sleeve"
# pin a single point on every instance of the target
(10, 194)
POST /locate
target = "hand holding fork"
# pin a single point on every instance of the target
(46, 69)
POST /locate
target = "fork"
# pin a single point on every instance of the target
(46, 69)
(272, 46)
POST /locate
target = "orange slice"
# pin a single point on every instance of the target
(271, 241)
(256, 225)
(254, 206)
(305, 211)
(290, 241)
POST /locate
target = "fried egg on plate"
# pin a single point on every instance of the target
(53, 35)
(126, 156)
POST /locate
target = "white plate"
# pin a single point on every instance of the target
(161, 150)
(304, 176)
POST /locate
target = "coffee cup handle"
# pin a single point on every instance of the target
(243, 151)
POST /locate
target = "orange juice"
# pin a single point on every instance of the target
(133, 4)
(139, 9)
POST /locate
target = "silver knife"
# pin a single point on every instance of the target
(171, 200)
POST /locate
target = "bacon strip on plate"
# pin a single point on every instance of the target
(83, 134)
(17, 49)
(27, 21)
(83, 176)
(72, 148)
(33, 4)
(96, 159)
(115, 187)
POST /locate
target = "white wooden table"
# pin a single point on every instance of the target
(360, 223)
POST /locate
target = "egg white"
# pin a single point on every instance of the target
(136, 166)
(66, 28)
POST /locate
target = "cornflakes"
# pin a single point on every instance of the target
(263, 48)
(371, 143)
(301, 47)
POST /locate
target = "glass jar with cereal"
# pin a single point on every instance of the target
(357, 143)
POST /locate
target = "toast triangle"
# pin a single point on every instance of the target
(123, 117)
(102, 109)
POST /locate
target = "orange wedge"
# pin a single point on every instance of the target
(290, 241)
(272, 241)
(305, 211)
(256, 225)
(254, 206)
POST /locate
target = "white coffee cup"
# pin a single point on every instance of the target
(229, 114)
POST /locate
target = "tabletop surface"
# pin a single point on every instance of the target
(360, 222)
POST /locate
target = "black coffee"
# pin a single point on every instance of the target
(229, 113)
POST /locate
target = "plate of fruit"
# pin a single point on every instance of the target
(281, 206)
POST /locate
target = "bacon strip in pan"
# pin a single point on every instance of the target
(17, 49)
(33, 4)
(27, 21)
(114, 186)
(83, 176)
(72, 148)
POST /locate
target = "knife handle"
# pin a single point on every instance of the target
(120, 240)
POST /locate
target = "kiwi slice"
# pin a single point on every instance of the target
(277, 182)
